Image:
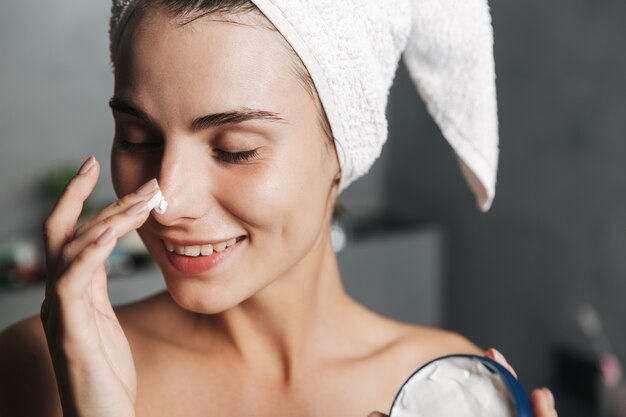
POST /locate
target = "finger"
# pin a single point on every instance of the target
(130, 219)
(543, 403)
(376, 414)
(59, 226)
(74, 282)
(495, 355)
(145, 191)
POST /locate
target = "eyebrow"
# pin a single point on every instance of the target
(204, 122)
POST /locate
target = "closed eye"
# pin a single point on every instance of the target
(236, 157)
(138, 147)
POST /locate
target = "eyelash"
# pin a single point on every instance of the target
(229, 157)
(142, 147)
(236, 157)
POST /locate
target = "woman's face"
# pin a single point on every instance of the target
(215, 111)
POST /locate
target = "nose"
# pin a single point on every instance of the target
(185, 184)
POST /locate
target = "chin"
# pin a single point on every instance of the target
(204, 292)
(200, 297)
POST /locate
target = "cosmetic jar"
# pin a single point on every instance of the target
(461, 386)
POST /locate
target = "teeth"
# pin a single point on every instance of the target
(218, 247)
(197, 250)
(192, 250)
(206, 250)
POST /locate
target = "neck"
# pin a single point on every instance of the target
(290, 324)
(290, 320)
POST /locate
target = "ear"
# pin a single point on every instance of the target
(337, 178)
(336, 164)
(334, 189)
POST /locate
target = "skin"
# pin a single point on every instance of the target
(269, 331)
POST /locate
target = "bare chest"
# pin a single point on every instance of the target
(219, 390)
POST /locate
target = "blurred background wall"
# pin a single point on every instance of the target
(556, 235)
(512, 278)
(55, 82)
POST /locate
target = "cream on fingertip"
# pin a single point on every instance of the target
(157, 203)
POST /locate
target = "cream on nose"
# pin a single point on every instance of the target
(158, 203)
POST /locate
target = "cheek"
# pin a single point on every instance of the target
(286, 195)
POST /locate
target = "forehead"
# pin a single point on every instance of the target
(236, 62)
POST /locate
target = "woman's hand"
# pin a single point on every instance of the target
(91, 356)
(542, 399)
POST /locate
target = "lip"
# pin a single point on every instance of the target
(196, 265)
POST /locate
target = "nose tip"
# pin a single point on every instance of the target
(168, 208)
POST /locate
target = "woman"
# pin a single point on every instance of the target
(214, 109)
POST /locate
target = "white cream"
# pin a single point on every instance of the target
(158, 203)
(455, 386)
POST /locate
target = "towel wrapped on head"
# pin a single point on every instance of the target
(351, 49)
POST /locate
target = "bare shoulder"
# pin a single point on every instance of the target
(412, 346)
(398, 349)
(435, 342)
(27, 382)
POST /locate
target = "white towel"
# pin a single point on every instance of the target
(450, 59)
(351, 48)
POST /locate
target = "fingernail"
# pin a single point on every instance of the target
(549, 397)
(499, 356)
(136, 209)
(106, 237)
(148, 187)
(87, 165)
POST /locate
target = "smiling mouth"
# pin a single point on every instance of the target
(201, 250)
